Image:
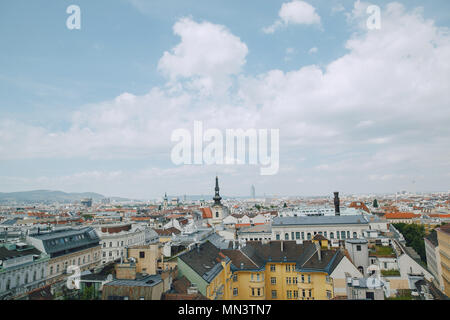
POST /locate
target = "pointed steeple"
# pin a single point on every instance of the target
(217, 197)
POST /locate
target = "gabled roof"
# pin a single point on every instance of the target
(205, 260)
(255, 255)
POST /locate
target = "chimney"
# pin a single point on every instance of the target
(337, 210)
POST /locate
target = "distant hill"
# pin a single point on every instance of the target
(47, 196)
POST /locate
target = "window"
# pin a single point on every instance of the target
(294, 280)
(142, 254)
(292, 236)
(331, 235)
(343, 234)
(273, 280)
(217, 214)
(309, 278)
(288, 268)
(303, 236)
(338, 235)
(295, 294)
(288, 280)
(274, 294)
(303, 278)
(277, 236)
(235, 291)
(358, 248)
(235, 277)
(286, 236)
(297, 235)
(329, 296)
(303, 293)
(309, 236)
(253, 291)
(348, 234)
(289, 294)
(355, 235)
(257, 277)
(325, 234)
(51, 270)
(310, 293)
(272, 268)
(110, 244)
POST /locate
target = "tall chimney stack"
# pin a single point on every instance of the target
(337, 210)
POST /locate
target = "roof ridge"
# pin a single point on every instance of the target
(248, 257)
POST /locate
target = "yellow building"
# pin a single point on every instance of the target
(208, 269)
(146, 257)
(443, 235)
(275, 270)
(281, 270)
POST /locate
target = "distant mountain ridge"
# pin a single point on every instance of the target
(48, 195)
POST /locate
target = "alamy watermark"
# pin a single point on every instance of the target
(74, 20)
(374, 20)
(208, 147)
(73, 281)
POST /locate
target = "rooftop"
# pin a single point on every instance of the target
(320, 220)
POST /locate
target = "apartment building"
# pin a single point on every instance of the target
(68, 247)
(115, 238)
(331, 227)
(23, 268)
(443, 235)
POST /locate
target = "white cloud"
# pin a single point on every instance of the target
(313, 50)
(382, 107)
(207, 54)
(294, 12)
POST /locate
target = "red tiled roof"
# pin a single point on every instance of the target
(401, 215)
(206, 213)
(359, 205)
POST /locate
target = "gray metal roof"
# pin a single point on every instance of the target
(57, 241)
(320, 220)
(145, 281)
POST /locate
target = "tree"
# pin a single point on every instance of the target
(413, 234)
(88, 293)
(375, 203)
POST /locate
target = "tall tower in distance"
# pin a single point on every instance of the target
(337, 210)
(252, 192)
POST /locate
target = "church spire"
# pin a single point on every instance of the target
(217, 197)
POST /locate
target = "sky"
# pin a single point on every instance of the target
(359, 110)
